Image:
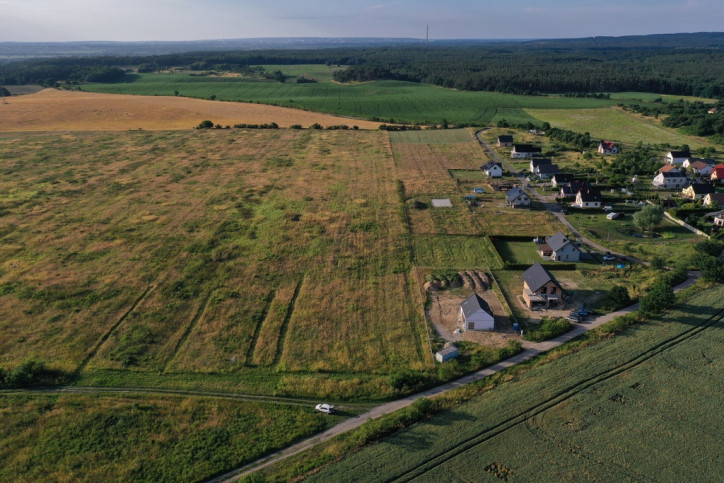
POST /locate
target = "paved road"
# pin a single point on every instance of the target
(530, 350)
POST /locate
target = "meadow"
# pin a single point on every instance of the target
(615, 124)
(625, 408)
(136, 437)
(377, 100)
(274, 256)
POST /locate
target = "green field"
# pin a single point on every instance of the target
(614, 124)
(650, 97)
(626, 408)
(75, 437)
(385, 100)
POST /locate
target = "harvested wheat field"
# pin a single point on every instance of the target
(56, 110)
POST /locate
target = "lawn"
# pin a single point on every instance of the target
(385, 100)
(579, 415)
(672, 241)
(614, 124)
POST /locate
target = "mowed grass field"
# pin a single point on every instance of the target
(615, 124)
(626, 408)
(258, 258)
(385, 100)
(56, 110)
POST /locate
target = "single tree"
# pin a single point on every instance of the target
(648, 217)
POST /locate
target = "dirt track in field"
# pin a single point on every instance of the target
(55, 110)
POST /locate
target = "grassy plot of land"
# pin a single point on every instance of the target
(451, 171)
(625, 408)
(671, 240)
(318, 72)
(617, 125)
(208, 252)
(651, 97)
(141, 438)
(385, 100)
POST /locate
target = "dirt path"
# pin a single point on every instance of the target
(530, 350)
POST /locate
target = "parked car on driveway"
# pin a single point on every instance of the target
(325, 408)
(608, 257)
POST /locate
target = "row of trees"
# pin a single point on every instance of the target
(565, 67)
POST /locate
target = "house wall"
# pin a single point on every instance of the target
(568, 253)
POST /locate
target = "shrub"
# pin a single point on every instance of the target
(547, 329)
(206, 124)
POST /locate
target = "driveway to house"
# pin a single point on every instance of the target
(530, 350)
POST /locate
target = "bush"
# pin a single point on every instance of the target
(30, 373)
(547, 329)
(659, 297)
(408, 381)
(619, 294)
(205, 124)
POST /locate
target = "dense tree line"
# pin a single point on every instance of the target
(577, 67)
(696, 117)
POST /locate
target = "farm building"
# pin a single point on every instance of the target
(676, 157)
(670, 180)
(559, 248)
(697, 191)
(608, 147)
(475, 314)
(492, 169)
(588, 198)
(505, 141)
(517, 198)
(540, 286)
(446, 354)
(524, 151)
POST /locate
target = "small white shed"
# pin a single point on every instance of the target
(448, 353)
(475, 314)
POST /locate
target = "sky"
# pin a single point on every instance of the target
(137, 20)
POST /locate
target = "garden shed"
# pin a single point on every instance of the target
(448, 353)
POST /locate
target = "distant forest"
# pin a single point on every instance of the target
(681, 64)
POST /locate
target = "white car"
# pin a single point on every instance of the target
(325, 408)
(608, 258)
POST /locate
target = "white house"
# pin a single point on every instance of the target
(524, 151)
(562, 179)
(475, 314)
(670, 180)
(536, 163)
(608, 147)
(714, 199)
(700, 167)
(676, 157)
(588, 198)
(492, 169)
(559, 248)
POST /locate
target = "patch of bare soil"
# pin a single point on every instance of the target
(56, 110)
(445, 307)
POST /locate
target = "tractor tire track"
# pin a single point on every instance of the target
(112, 329)
(562, 396)
(197, 316)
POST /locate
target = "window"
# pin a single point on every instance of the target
(471, 326)
(543, 291)
(553, 290)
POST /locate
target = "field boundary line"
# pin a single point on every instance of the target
(112, 329)
(285, 325)
(257, 330)
(562, 396)
(187, 331)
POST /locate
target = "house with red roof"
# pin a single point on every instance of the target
(717, 173)
(608, 147)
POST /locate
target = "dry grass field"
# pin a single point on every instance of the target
(56, 110)
(222, 251)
